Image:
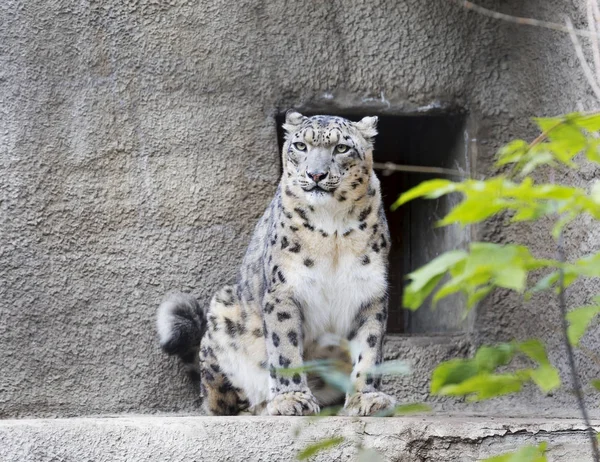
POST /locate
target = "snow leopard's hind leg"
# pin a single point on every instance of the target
(224, 354)
(219, 396)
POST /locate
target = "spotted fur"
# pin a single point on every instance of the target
(312, 282)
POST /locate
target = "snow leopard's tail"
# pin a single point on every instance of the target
(181, 323)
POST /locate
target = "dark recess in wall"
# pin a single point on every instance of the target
(432, 140)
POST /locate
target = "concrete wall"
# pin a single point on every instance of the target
(138, 147)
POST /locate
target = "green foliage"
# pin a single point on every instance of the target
(579, 320)
(561, 140)
(476, 377)
(483, 267)
(333, 373)
(405, 409)
(524, 454)
(321, 445)
(474, 273)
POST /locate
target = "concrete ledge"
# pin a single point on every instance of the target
(174, 439)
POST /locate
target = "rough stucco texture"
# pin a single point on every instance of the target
(138, 147)
(177, 439)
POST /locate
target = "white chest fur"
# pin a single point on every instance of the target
(332, 291)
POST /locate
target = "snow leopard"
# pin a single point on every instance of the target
(313, 285)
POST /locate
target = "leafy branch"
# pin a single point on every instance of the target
(485, 266)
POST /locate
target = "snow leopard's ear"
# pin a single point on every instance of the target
(367, 127)
(293, 120)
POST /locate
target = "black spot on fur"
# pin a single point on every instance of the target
(284, 381)
(323, 233)
(352, 334)
(296, 379)
(257, 333)
(295, 248)
(293, 337)
(383, 242)
(231, 327)
(294, 228)
(272, 372)
(284, 362)
(301, 213)
(222, 404)
(281, 277)
(215, 367)
(269, 307)
(284, 242)
(225, 387)
(347, 233)
(375, 247)
(362, 226)
(369, 380)
(372, 340)
(308, 226)
(379, 317)
(283, 315)
(275, 338)
(365, 260)
(208, 376)
(308, 263)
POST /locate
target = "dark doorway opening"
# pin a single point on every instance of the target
(430, 140)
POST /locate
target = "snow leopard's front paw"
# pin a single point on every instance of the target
(360, 404)
(293, 403)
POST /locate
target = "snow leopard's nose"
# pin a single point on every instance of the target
(316, 177)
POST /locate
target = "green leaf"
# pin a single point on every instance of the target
(595, 383)
(431, 189)
(512, 152)
(404, 409)
(412, 408)
(524, 454)
(451, 372)
(489, 358)
(426, 278)
(322, 445)
(579, 320)
(337, 379)
(590, 122)
(395, 368)
(546, 377)
(484, 386)
(543, 284)
(535, 350)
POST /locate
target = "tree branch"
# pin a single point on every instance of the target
(522, 21)
(571, 356)
(587, 71)
(391, 167)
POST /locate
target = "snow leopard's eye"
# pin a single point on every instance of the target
(300, 146)
(341, 148)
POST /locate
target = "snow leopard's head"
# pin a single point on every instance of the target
(327, 158)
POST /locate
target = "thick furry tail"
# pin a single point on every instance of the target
(181, 323)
